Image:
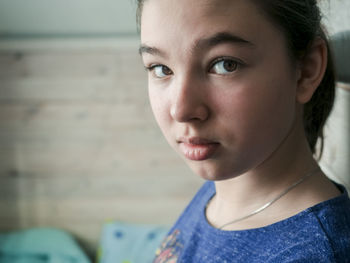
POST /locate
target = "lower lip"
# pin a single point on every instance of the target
(198, 152)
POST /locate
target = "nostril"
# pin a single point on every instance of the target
(203, 113)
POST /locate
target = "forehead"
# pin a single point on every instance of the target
(165, 22)
(203, 7)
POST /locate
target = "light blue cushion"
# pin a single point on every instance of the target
(130, 243)
(40, 245)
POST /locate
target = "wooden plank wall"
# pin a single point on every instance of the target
(79, 145)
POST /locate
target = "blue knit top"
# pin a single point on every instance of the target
(318, 234)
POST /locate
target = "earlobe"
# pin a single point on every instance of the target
(312, 68)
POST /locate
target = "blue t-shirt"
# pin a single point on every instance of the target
(318, 234)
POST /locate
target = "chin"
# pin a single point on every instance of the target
(213, 172)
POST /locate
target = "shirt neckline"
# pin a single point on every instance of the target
(277, 225)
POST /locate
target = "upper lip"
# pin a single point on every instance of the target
(195, 140)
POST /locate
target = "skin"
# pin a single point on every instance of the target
(240, 99)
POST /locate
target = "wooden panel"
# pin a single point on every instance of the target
(73, 76)
(154, 182)
(79, 144)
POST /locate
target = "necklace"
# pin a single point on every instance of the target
(273, 200)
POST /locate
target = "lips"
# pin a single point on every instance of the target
(197, 149)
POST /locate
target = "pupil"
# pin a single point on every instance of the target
(166, 70)
(229, 65)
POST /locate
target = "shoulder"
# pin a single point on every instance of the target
(200, 200)
(333, 217)
(192, 214)
(319, 234)
(186, 227)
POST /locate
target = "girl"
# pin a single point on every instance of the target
(241, 90)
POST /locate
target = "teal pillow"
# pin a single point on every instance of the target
(40, 245)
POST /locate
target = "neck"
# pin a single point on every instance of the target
(243, 194)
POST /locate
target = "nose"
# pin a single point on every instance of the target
(188, 101)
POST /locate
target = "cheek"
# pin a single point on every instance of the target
(160, 108)
(271, 114)
(259, 110)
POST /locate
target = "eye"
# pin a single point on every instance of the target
(160, 71)
(224, 66)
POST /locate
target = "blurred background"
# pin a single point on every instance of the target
(78, 142)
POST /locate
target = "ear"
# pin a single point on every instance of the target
(312, 68)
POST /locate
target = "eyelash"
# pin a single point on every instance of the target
(152, 67)
(237, 62)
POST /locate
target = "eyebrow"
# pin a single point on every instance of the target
(223, 38)
(212, 41)
(150, 50)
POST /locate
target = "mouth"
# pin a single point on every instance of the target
(197, 149)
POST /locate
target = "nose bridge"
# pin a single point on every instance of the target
(185, 90)
(188, 101)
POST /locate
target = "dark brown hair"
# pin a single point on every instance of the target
(300, 21)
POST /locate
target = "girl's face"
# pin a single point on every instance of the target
(221, 84)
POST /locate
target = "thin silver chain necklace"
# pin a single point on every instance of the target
(314, 171)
